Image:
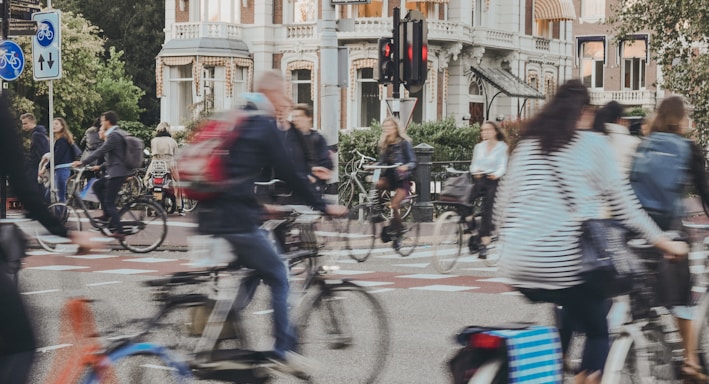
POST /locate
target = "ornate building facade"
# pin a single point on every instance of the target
(487, 59)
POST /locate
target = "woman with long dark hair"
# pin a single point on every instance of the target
(559, 176)
(487, 166)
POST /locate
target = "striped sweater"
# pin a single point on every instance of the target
(539, 218)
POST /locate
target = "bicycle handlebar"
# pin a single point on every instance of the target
(379, 166)
(362, 155)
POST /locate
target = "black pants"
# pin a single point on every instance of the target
(485, 188)
(17, 343)
(107, 191)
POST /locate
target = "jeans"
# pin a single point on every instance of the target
(61, 175)
(107, 191)
(255, 251)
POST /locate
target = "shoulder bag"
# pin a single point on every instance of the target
(608, 266)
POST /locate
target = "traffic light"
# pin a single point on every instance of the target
(386, 60)
(414, 68)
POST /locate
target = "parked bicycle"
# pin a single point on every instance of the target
(367, 221)
(341, 326)
(352, 191)
(143, 220)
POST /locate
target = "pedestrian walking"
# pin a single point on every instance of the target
(39, 145)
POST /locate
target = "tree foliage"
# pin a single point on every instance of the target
(679, 40)
(89, 84)
(136, 28)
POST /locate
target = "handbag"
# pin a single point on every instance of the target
(608, 266)
(457, 188)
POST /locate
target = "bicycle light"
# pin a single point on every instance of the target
(485, 341)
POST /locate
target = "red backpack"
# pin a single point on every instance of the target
(202, 164)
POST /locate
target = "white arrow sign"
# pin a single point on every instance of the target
(47, 46)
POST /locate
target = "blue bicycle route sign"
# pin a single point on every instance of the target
(12, 60)
(46, 46)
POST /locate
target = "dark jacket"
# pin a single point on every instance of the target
(399, 153)
(318, 153)
(39, 145)
(12, 163)
(259, 146)
(114, 147)
(63, 151)
(296, 148)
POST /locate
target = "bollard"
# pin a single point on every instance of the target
(423, 209)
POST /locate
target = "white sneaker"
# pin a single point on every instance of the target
(294, 364)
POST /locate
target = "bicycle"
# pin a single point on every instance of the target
(338, 321)
(366, 220)
(143, 220)
(649, 347)
(352, 186)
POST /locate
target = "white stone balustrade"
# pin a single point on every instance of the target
(301, 31)
(644, 97)
(196, 30)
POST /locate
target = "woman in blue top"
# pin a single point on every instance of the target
(488, 166)
(63, 155)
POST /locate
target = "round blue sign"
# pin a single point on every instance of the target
(12, 60)
(45, 33)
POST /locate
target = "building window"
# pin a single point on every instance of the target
(593, 10)
(477, 13)
(544, 28)
(238, 81)
(209, 90)
(226, 11)
(428, 9)
(304, 11)
(180, 84)
(302, 86)
(593, 56)
(634, 53)
(370, 106)
(373, 9)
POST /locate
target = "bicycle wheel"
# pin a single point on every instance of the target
(131, 188)
(345, 192)
(68, 216)
(489, 373)
(447, 242)
(144, 224)
(622, 363)
(189, 205)
(405, 209)
(701, 330)
(409, 238)
(345, 330)
(140, 363)
(361, 232)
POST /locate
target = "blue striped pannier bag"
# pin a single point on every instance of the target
(534, 354)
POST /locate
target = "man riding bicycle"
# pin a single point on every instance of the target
(236, 215)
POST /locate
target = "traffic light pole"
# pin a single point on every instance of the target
(396, 83)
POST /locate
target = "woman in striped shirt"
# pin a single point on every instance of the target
(558, 177)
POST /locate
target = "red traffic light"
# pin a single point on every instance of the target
(387, 50)
(424, 53)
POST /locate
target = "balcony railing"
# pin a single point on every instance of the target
(196, 30)
(644, 97)
(541, 44)
(301, 31)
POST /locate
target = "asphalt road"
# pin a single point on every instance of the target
(425, 309)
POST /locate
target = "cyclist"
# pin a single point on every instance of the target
(395, 148)
(555, 166)
(163, 147)
(117, 172)
(17, 343)
(487, 166)
(236, 215)
(317, 154)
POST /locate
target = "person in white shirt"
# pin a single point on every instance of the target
(487, 166)
(622, 143)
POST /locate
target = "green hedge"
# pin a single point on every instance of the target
(450, 143)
